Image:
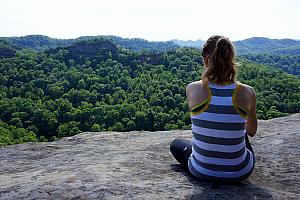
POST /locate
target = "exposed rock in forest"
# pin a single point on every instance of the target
(138, 165)
(83, 49)
(93, 48)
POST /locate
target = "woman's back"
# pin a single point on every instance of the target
(245, 101)
(218, 144)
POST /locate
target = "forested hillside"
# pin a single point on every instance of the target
(97, 85)
(41, 42)
(283, 54)
(288, 63)
(255, 45)
(36, 42)
(266, 45)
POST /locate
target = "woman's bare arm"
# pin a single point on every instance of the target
(251, 125)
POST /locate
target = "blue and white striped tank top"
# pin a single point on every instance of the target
(218, 145)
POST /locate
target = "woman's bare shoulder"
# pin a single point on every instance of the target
(196, 92)
(195, 86)
(247, 90)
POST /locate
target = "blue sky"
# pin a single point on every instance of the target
(155, 20)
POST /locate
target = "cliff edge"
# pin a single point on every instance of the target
(138, 165)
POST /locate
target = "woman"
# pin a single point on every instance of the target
(223, 113)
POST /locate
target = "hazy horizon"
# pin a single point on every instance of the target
(151, 20)
(144, 38)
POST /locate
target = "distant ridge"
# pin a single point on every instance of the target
(41, 42)
(254, 45)
(250, 45)
(279, 53)
(266, 45)
(189, 43)
(36, 42)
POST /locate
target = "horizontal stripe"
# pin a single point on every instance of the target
(222, 101)
(231, 118)
(216, 179)
(221, 109)
(219, 161)
(224, 168)
(213, 85)
(198, 174)
(217, 140)
(218, 133)
(218, 125)
(219, 147)
(217, 154)
(221, 92)
(222, 174)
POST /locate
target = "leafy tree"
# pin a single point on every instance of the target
(96, 127)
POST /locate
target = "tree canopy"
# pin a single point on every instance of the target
(99, 86)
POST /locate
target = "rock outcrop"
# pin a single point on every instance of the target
(98, 48)
(138, 165)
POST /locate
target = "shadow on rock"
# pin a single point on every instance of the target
(210, 190)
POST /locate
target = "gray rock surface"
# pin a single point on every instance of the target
(138, 165)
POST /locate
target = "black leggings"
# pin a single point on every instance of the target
(182, 149)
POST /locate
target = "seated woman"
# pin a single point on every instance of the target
(223, 113)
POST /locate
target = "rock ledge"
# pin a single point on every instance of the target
(138, 165)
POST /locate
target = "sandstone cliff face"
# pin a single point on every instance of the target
(138, 165)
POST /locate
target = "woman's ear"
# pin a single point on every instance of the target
(206, 61)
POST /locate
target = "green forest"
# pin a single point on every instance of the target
(288, 63)
(279, 53)
(102, 85)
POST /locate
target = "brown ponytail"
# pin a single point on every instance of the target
(220, 54)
